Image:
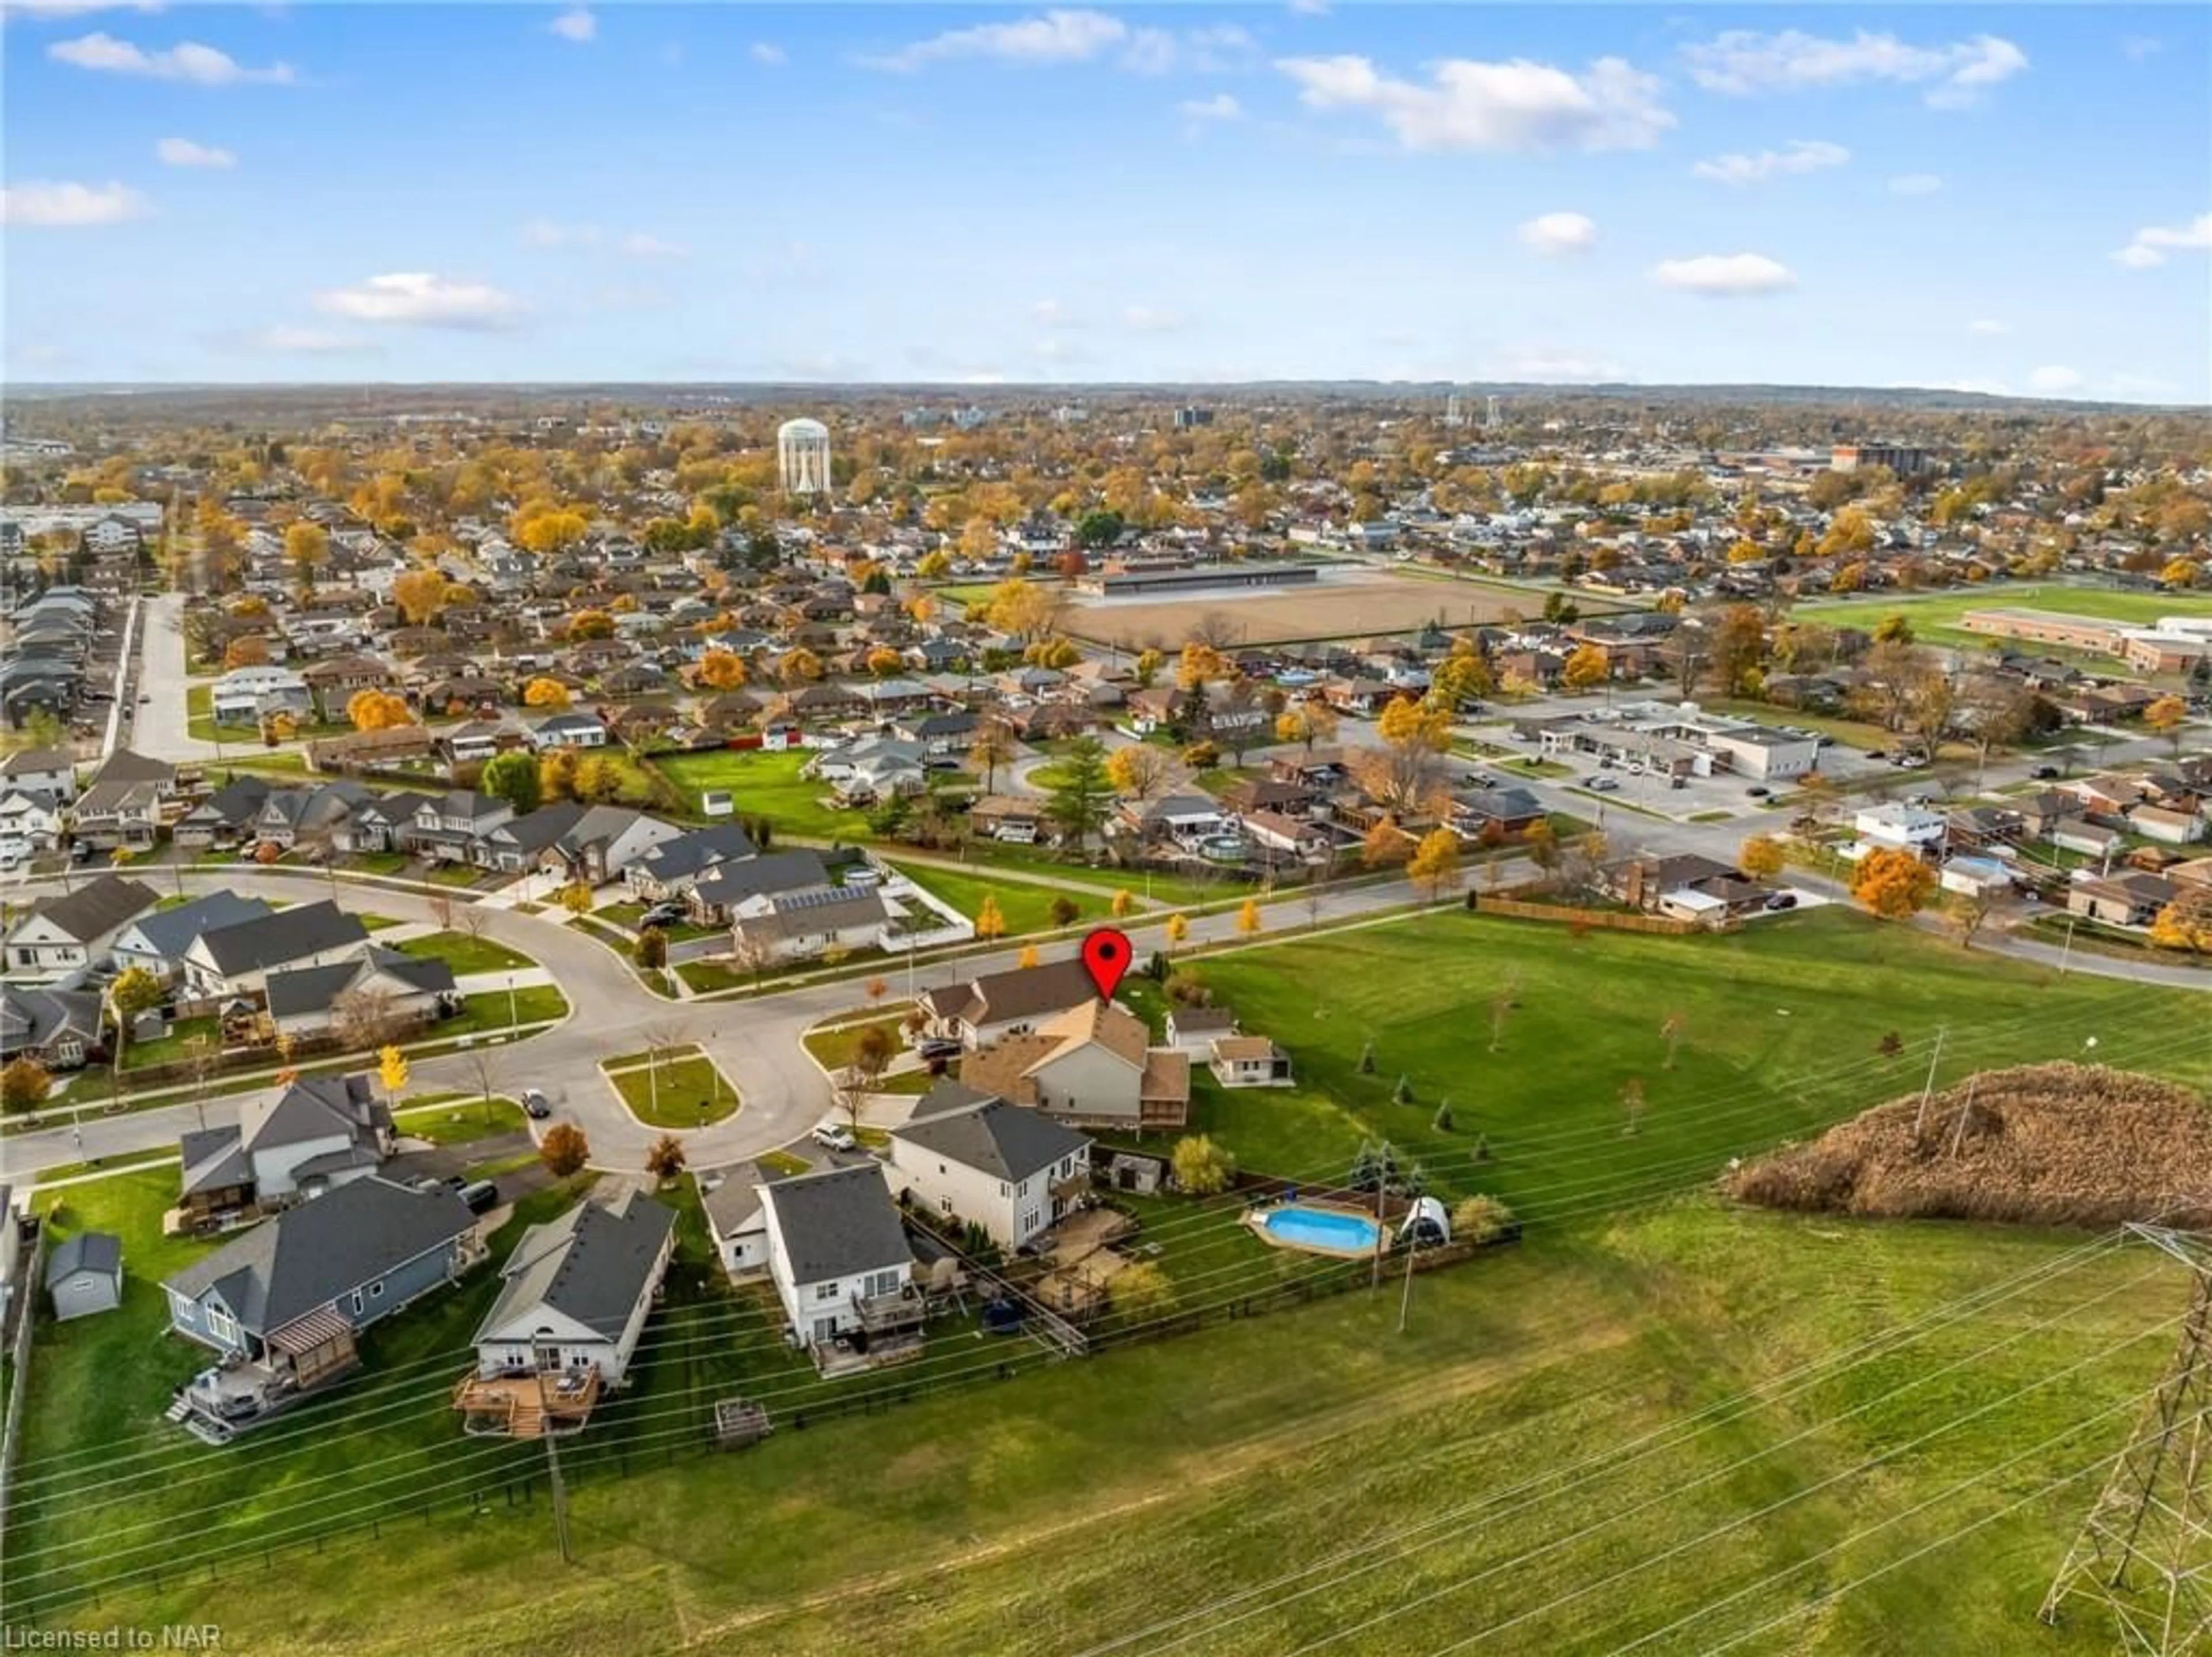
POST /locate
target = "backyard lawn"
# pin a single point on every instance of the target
(1023, 907)
(465, 955)
(176, 1046)
(767, 785)
(677, 1093)
(1517, 1419)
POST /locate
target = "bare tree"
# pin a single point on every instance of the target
(483, 1063)
(364, 1019)
(660, 1037)
(475, 919)
(441, 908)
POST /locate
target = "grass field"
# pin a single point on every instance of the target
(1934, 616)
(465, 955)
(1023, 907)
(679, 1093)
(1779, 1027)
(765, 785)
(1518, 1420)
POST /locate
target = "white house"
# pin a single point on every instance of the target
(237, 961)
(835, 1244)
(246, 695)
(736, 1218)
(1899, 827)
(45, 771)
(576, 1291)
(317, 1135)
(76, 930)
(30, 819)
(1010, 1171)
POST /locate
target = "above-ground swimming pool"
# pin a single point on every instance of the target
(1323, 1231)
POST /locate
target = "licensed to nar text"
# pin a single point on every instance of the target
(166, 1636)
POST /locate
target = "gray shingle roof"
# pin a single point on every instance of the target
(1002, 1139)
(309, 1256)
(96, 1251)
(1025, 992)
(289, 935)
(777, 872)
(593, 1264)
(836, 1224)
(169, 932)
(100, 905)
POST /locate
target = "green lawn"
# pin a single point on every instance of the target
(1517, 1418)
(199, 720)
(459, 1119)
(174, 1048)
(465, 955)
(1023, 907)
(1165, 888)
(629, 915)
(765, 785)
(487, 1010)
(782, 1164)
(834, 1048)
(691, 1093)
(1934, 616)
(1780, 1023)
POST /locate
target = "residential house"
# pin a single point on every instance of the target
(376, 823)
(673, 867)
(575, 1293)
(1295, 837)
(1014, 821)
(1010, 1171)
(59, 1028)
(805, 924)
(247, 696)
(1479, 813)
(315, 1135)
(1194, 1029)
(31, 819)
(238, 960)
(1186, 819)
(478, 739)
(568, 729)
(317, 815)
(76, 930)
(450, 828)
(336, 680)
(2131, 898)
(747, 886)
(41, 771)
(84, 1274)
(159, 940)
(2086, 839)
(284, 1302)
(1892, 826)
(736, 1218)
(2175, 828)
(127, 814)
(1091, 1064)
(839, 1257)
(226, 819)
(983, 1010)
(365, 1001)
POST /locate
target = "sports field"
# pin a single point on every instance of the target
(1343, 604)
(1936, 617)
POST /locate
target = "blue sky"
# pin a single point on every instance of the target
(2014, 199)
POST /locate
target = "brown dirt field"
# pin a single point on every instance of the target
(1354, 605)
(2042, 1144)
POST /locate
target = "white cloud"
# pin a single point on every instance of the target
(1803, 155)
(1988, 325)
(69, 205)
(2152, 242)
(1310, 7)
(1219, 107)
(1724, 274)
(1916, 184)
(1743, 61)
(189, 61)
(419, 299)
(53, 9)
(1513, 105)
(1057, 37)
(2139, 47)
(2055, 379)
(578, 25)
(643, 244)
(1077, 36)
(1559, 233)
(183, 152)
(1144, 319)
(767, 51)
(547, 233)
(1053, 350)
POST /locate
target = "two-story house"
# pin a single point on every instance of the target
(1010, 1171)
(838, 1253)
(76, 930)
(983, 1010)
(450, 828)
(315, 1135)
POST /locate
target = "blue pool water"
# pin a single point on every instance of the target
(1322, 1228)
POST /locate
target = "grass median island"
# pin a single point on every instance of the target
(684, 1090)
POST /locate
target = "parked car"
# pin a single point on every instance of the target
(534, 1106)
(939, 1047)
(1783, 900)
(81, 852)
(1601, 784)
(663, 915)
(456, 1182)
(1759, 791)
(482, 1197)
(834, 1137)
(2044, 773)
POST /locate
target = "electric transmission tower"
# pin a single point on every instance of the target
(2146, 1553)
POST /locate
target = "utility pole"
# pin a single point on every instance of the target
(1406, 1299)
(537, 1353)
(1929, 1087)
(2145, 1552)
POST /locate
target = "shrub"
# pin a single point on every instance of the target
(1403, 1092)
(1142, 1291)
(564, 1149)
(1441, 1122)
(1481, 1220)
(1203, 1168)
(1202, 755)
(1189, 989)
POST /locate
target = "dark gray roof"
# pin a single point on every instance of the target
(33, 1018)
(777, 872)
(1002, 1139)
(314, 989)
(236, 802)
(125, 766)
(308, 1256)
(213, 1157)
(97, 1252)
(169, 932)
(688, 854)
(836, 1224)
(288, 935)
(735, 1200)
(594, 1264)
(948, 1093)
(1025, 992)
(537, 829)
(99, 905)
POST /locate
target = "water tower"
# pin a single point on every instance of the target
(802, 457)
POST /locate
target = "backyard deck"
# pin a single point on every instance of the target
(527, 1405)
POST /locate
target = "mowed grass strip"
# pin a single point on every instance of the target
(1498, 1419)
(677, 1092)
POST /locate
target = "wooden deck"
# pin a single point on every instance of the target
(527, 1405)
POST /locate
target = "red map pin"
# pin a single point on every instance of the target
(1106, 957)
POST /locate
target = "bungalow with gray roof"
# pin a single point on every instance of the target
(65, 934)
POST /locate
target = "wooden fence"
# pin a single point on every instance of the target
(1598, 919)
